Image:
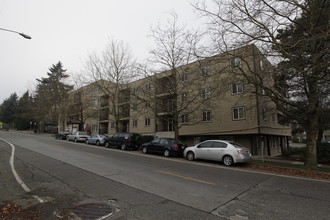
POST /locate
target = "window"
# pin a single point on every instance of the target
(184, 97)
(217, 144)
(134, 123)
(135, 90)
(112, 125)
(238, 113)
(146, 104)
(147, 86)
(207, 144)
(206, 116)
(264, 115)
(205, 93)
(147, 122)
(94, 128)
(235, 63)
(96, 102)
(171, 106)
(184, 119)
(206, 71)
(237, 88)
(96, 89)
(261, 63)
(183, 77)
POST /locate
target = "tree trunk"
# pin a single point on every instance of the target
(312, 134)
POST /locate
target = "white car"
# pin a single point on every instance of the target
(226, 151)
(78, 136)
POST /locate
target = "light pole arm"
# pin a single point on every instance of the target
(22, 34)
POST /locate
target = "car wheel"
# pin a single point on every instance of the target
(123, 147)
(167, 153)
(86, 142)
(190, 156)
(97, 143)
(75, 140)
(144, 150)
(107, 145)
(227, 160)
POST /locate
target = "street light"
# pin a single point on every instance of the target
(22, 34)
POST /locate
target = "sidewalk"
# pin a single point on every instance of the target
(283, 160)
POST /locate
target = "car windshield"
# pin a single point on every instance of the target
(173, 141)
(236, 145)
(82, 133)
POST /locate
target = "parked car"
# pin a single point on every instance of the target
(166, 146)
(96, 139)
(62, 135)
(79, 136)
(124, 141)
(225, 151)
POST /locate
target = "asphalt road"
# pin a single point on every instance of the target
(66, 174)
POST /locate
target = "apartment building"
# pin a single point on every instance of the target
(207, 99)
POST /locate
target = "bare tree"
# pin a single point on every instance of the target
(294, 34)
(179, 77)
(112, 70)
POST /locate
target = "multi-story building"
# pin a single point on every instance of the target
(207, 99)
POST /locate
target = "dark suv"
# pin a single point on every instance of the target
(124, 141)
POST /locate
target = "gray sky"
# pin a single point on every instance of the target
(68, 30)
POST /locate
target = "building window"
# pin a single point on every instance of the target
(147, 122)
(237, 88)
(96, 102)
(238, 113)
(112, 125)
(135, 90)
(206, 116)
(96, 89)
(264, 114)
(184, 119)
(183, 76)
(184, 97)
(147, 86)
(134, 123)
(205, 71)
(94, 128)
(235, 63)
(171, 105)
(146, 104)
(205, 93)
(261, 63)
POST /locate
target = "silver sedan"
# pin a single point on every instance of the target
(225, 151)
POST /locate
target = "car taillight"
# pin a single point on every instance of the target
(175, 147)
(240, 151)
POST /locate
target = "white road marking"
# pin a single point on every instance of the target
(18, 179)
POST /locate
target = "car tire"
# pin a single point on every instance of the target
(190, 156)
(97, 143)
(167, 153)
(107, 145)
(75, 140)
(87, 141)
(144, 150)
(227, 160)
(123, 146)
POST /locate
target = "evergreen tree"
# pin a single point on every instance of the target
(51, 96)
(8, 110)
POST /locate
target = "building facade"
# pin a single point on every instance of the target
(207, 99)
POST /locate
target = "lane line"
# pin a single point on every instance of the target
(18, 179)
(94, 155)
(184, 177)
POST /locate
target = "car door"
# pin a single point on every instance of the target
(203, 150)
(218, 150)
(154, 145)
(114, 140)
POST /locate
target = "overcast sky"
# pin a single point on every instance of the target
(68, 30)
